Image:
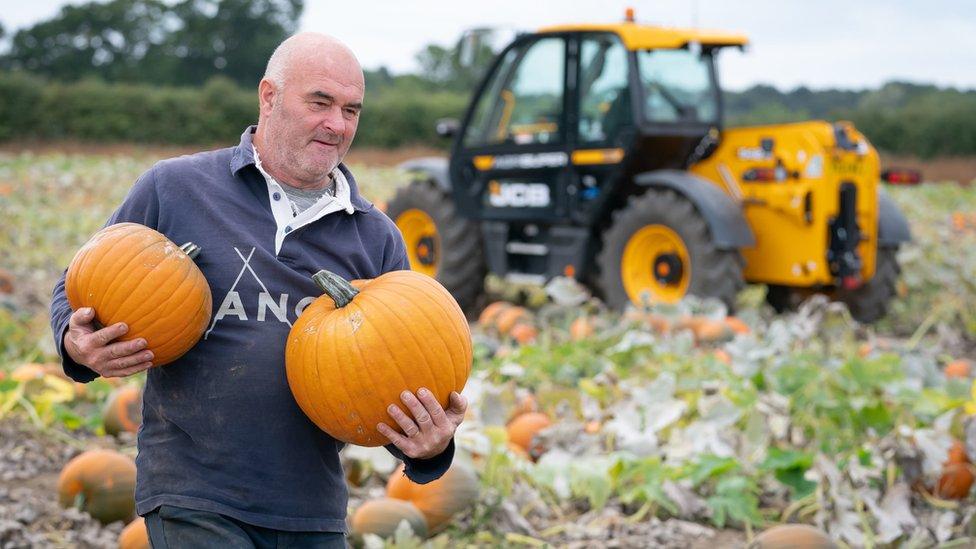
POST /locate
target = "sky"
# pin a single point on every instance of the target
(823, 44)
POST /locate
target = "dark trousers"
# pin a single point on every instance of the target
(178, 528)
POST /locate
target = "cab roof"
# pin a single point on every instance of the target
(636, 36)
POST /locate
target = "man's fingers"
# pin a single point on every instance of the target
(106, 335)
(432, 406)
(420, 414)
(123, 349)
(396, 438)
(406, 424)
(130, 370)
(81, 317)
(130, 361)
(457, 406)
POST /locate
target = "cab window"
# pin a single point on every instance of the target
(604, 94)
(523, 102)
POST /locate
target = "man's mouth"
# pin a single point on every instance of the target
(325, 143)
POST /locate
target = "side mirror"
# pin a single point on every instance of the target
(447, 127)
(901, 176)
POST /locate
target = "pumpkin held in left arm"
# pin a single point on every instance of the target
(354, 350)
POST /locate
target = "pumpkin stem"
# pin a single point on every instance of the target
(335, 287)
(191, 250)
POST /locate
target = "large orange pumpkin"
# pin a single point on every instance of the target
(123, 411)
(440, 499)
(382, 516)
(354, 350)
(133, 274)
(135, 535)
(523, 428)
(101, 483)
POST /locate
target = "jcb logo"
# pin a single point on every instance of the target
(518, 195)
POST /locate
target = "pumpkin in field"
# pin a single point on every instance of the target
(508, 318)
(135, 535)
(581, 328)
(381, 517)
(958, 369)
(100, 482)
(133, 274)
(793, 536)
(440, 499)
(956, 478)
(123, 410)
(487, 317)
(354, 350)
(524, 333)
(737, 325)
(706, 330)
(523, 427)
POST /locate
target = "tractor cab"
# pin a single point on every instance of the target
(564, 116)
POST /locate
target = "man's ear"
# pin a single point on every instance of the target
(266, 95)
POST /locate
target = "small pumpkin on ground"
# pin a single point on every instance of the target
(957, 369)
(354, 350)
(956, 478)
(581, 328)
(382, 516)
(706, 330)
(524, 333)
(123, 410)
(438, 500)
(523, 428)
(100, 482)
(135, 535)
(490, 313)
(133, 274)
(793, 536)
(737, 325)
(508, 318)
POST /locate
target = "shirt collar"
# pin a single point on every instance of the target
(243, 156)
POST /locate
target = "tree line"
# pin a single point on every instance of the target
(185, 72)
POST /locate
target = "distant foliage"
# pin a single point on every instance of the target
(214, 114)
(151, 41)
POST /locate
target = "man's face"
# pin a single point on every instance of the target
(311, 122)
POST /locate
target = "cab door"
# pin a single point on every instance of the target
(511, 161)
(604, 122)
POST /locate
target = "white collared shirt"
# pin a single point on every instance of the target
(285, 219)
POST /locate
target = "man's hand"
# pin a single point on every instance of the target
(431, 428)
(94, 348)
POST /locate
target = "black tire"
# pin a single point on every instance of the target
(460, 263)
(714, 272)
(784, 299)
(869, 303)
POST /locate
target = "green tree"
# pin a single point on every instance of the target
(153, 42)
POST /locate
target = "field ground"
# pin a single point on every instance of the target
(803, 417)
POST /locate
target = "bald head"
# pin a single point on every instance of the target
(306, 49)
(309, 104)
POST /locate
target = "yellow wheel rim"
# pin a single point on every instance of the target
(423, 242)
(655, 266)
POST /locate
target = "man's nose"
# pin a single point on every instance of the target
(332, 120)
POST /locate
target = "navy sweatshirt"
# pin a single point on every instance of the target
(221, 430)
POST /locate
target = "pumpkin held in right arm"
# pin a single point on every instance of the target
(133, 274)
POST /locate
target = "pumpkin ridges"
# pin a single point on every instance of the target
(462, 329)
(129, 286)
(446, 318)
(179, 338)
(421, 348)
(117, 270)
(146, 307)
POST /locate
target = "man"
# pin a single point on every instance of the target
(226, 457)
